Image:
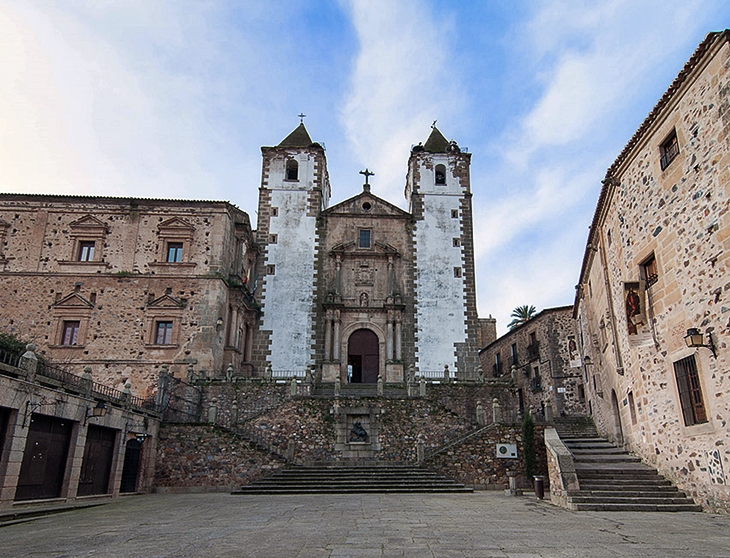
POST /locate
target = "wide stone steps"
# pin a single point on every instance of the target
(352, 480)
(611, 479)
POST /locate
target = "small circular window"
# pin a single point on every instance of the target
(367, 206)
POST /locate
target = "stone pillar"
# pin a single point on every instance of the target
(190, 375)
(268, 372)
(229, 373)
(328, 336)
(249, 344)
(127, 395)
(234, 413)
(87, 382)
(389, 337)
(338, 274)
(338, 386)
(336, 348)
(512, 490)
(213, 411)
(398, 338)
(17, 437)
(29, 362)
(422, 387)
(481, 416)
(380, 386)
(496, 411)
(447, 376)
(420, 450)
(391, 281)
(293, 387)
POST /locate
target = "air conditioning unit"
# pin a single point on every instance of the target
(508, 451)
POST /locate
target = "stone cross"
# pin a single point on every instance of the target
(367, 174)
(301, 116)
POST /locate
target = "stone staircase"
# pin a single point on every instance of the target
(611, 479)
(327, 389)
(327, 479)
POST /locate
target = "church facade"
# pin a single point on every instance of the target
(363, 289)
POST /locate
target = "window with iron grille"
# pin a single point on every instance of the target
(649, 271)
(690, 391)
(669, 149)
(364, 241)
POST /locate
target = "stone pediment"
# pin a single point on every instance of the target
(351, 248)
(89, 223)
(366, 204)
(176, 225)
(74, 300)
(165, 301)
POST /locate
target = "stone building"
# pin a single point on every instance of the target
(128, 285)
(543, 358)
(363, 288)
(656, 270)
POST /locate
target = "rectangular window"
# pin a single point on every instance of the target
(690, 391)
(364, 238)
(457, 272)
(454, 213)
(273, 239)
(649, 271)
(514, 361)
(86, 251)
(71, 332)
(270, 269)
(457, 242)
(274, 211)
(174, 252)
(497, 365)
(163, 333)
(669, 149)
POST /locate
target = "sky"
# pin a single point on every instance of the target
(174, 98)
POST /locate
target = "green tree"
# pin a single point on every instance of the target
(10, 343)
(520, 315)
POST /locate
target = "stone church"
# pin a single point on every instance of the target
(362, 288)
(357, 290)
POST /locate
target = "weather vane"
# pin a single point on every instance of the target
(301, 116)
(434, 124)
(367, 174)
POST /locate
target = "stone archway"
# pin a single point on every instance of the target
(363, 354)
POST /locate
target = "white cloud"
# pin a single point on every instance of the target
(401, 82)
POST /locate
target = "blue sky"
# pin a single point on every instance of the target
(173, 98)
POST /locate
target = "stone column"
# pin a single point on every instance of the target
(328, 336)
(249, 343)
(389, 337)
(398, 338)
(338, 274)
(336, 348)
(496, 411)
(391, 285)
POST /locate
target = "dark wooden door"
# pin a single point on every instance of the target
(44, 459)
(130, 470)
(4, 419)
(97, 463)
(362, 348)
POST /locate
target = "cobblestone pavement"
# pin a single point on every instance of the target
(483, 524)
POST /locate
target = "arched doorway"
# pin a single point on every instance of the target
(363, 356)
(617, 430)
(130, 470)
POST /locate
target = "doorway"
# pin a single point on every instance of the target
(130, 470)
(363, 355)
(617, 430)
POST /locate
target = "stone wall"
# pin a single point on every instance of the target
(206, 457)
(476, 463)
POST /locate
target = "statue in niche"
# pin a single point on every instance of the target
(364, 300)
(358, 433)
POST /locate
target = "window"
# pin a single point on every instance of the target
(690, 391)
(270, 269)
(364, 238)
(649, 271)
(163, 333)
(457, 272)
(174, 252)
(669, 149)
(440, 174)
(274, 211)
(513, 361)
(457, 242)
(86, 251)
(497, 365)
(71, 332)
(273, 239)
(292, 170)
(454, 213)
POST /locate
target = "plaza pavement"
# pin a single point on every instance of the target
(483, 524)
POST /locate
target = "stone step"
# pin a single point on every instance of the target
(637, 492)
(604, 499)
(607, 458)
(352, 479)
(635, 507)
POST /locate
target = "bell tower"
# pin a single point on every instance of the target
(438, 191)
(294, 190)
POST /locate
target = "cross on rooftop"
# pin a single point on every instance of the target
(367, 175)
(301, 116)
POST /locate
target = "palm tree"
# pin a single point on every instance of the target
(520, 315)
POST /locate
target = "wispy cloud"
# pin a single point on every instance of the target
(402, 80)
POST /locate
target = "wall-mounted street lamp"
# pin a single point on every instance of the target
(219, 323)
(95, 412)
(696, 339)
(140, 437)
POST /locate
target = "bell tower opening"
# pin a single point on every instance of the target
(363, 355)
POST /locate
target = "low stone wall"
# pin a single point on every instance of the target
(561, 468)
(207, 458)
(475, 462)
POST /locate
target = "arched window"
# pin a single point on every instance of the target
(440, 174)
(292, 170)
